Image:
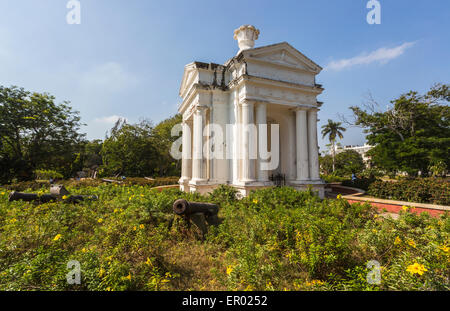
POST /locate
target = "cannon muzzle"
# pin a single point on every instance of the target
(183, 207)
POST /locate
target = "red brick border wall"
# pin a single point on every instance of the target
(394, 208)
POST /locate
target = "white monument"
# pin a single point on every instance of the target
(251, 122)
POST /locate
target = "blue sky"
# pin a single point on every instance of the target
(126, 58)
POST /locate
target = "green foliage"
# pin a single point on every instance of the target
(163, 140)
(35, 133)
(360, 183)
(438, 168)
(140, 149)
(47, 174)
(274, 239)
(413, 133)
(333, 130)
(224, 194)
(346, 163)
(129, 150)
(332, 178)
(420, 190)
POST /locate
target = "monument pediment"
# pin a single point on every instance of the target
(282, 54)
(189, 77)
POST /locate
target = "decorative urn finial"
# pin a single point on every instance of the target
(246, 36)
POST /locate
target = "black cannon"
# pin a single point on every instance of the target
(183, 207)
(45, 198)
(199, 213)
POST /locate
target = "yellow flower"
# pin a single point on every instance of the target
(374, 230)
(142, 195)
(412, 243)
(116, 210)
(375, 216)
(405, 208)
(315, 282)
(339, 196)
(57, 237)
(445, 248)
(229, 270)
(101, 272)
(255, 201)
(84, 250)
(397, 241)
(13, 220)
(128, 277)
(134, 228)
(100, 220)
(416, 268)
(149, 262)
(3, 193)
(141, 226)
(64, 197)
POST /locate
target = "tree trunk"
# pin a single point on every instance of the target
(333, 154)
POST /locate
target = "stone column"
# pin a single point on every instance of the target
(261, 118)
(219, 117)
(248, 167)
(197, 161)
(312, 143)
(186, 163)
(302, 144)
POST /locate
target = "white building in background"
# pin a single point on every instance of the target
(362, 150)
(232, 109)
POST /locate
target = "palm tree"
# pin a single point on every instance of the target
(333, 130)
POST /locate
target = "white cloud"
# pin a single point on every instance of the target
(382, 56)
(108, 119)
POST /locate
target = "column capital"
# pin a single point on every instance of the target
(200, 109)
(303, 107)
(247, 102)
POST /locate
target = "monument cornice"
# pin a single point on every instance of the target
(274, 83)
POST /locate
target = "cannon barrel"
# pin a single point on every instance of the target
(183, 207)
(15, 196)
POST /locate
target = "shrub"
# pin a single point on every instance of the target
(420, 190)
(47, 174)
(360, 183)
(332, 178)
(274, 239)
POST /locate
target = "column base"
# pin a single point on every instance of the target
(184, 184)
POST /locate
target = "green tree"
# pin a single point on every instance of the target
(88, 159)
(141, 149)
(346, 163)
(411, 134)
(36, 133)
(163, 140)
(333, 130)
(129, 150)
(349, 162)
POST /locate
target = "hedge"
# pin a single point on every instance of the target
(420, 190)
